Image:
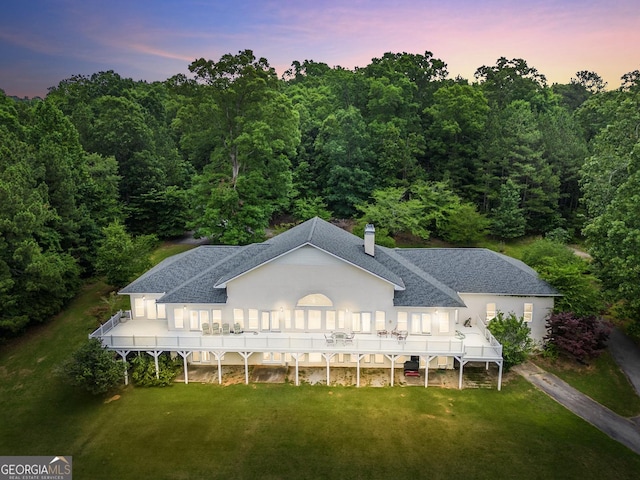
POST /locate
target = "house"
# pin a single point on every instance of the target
(317, 295)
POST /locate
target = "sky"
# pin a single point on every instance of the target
(45, 41)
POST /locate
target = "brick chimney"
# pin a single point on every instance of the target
(370, 240)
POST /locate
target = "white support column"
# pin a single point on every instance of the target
(219, 356)
(328, 357)
(393, 366)
(123, 354)
(296, 357)
(461, 362)
(360, 357)
(499, 375)
(184, 354)
(426, 370)
(246, 356)
(155, 354)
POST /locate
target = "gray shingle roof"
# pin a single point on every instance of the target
(478, 270)
(324, 236)
(421, 277)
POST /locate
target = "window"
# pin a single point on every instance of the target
(378, 358)
(315, 320)
(331, 320)
(238, 316)
(528, 312)
(402, 321)
(365, 319)
(356, 324)
(299, 319)
(315, 300)
(275, 320)
(491, 311)
(381, 323)
(416, 323)
(421, 323)
(151, 309)
(178, 317)
(253, 319)
(272, 357)
(426, 323)
(341, 317)
(216, 316)
(205, 357)
(195, 320)
(287, 319)
(138, 307)
(443, 321)
(266, 321)
(162, 310)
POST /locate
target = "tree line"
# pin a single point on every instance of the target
(104, 161)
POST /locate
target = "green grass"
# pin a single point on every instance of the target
(282, 431)
(602, 380)
(167, 249)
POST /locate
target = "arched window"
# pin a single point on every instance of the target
(315, 300)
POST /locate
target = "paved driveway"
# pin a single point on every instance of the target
(619, 428)
(627, 356)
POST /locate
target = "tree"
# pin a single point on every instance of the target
(514, 335)
(93, 368)
(591, 81)
(254, 132)
(579, 337)
(392, 211)
(143, 370)
(457, 120)
(508, 218)
(610, 184)
(342, 145)
(464, 225)
(121, 258)
(569, 274)
(510, 80)
(37, 276)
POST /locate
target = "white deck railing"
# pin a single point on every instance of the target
(483, 345)
(107, 326)
(488, 336)
(281, 343)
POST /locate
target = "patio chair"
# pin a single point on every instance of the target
(402, 335)
(215, 328)
(205, 329)
(226, 329)
(348, 338)
(329, 339)
(237, 329)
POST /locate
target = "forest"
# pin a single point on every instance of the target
(104, 165)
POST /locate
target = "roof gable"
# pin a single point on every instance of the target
(323, 236)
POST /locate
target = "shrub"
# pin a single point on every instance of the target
(143, 370)
(93, 368)
(569, 274)
(514, 335)
(578, 337)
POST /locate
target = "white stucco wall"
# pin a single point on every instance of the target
(308, 270)
(542, 307)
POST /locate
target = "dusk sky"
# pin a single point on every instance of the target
(45, 41)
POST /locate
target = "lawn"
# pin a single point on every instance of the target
(601, 379)
(282, 431)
